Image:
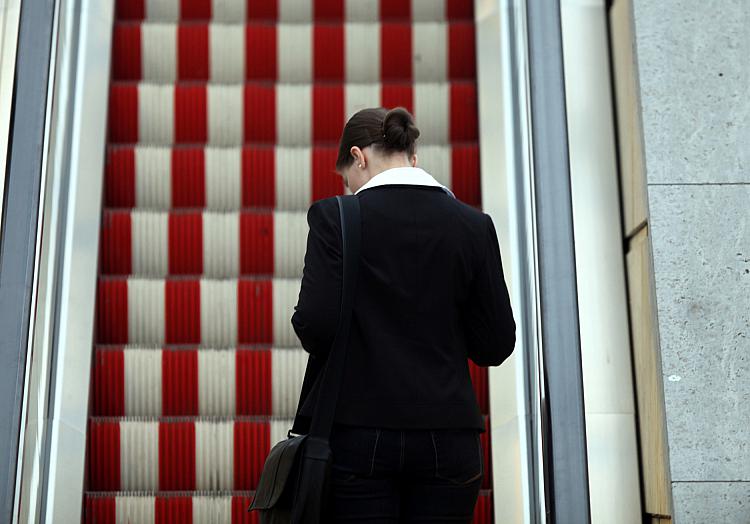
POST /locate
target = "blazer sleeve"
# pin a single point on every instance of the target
(316, 315)
(487, 316)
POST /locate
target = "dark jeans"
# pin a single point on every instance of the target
(384, 475)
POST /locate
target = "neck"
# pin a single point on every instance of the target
(382, 166)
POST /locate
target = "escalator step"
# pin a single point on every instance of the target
(300, 114)
(295, 11)
(185, 381)
(231, 53)
(256, 176)
(187, 453)
(185, 508)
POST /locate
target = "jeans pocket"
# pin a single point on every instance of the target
(353, 449)
(458, 455)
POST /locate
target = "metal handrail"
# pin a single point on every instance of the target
(10, 11)
(24, 174)
(560, 334)
(516, 401)
(50, 478)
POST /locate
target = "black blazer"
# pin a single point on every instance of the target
(430, 293)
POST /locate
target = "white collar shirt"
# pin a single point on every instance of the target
(404, 175)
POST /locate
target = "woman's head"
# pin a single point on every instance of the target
(373, 140)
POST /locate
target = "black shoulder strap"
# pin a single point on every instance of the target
(333, 373)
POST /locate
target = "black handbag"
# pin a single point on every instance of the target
(294, 483)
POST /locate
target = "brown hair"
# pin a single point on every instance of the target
(390, 131)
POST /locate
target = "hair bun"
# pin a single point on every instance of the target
(399, 129)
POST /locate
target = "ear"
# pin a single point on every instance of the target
(358, 155)
(413, 160)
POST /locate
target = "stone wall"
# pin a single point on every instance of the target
(693, 74)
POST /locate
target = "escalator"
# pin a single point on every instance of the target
(223, 128)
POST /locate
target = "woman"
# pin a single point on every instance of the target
(430, 294)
